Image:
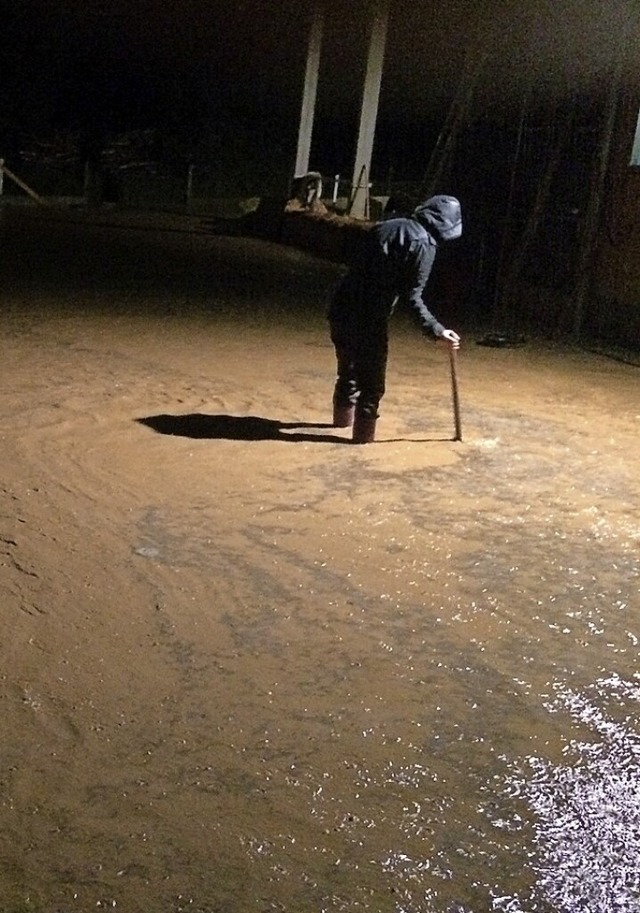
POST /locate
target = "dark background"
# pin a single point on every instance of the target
(143, 93)
(201, 73)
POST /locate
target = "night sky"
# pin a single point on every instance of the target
(129, 64)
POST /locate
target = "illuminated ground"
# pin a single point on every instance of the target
(249, 666)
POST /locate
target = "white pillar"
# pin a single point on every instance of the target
(310, 91)
(369, 111)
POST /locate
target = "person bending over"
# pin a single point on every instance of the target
(393, 263)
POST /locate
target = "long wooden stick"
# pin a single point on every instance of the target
(456, 397)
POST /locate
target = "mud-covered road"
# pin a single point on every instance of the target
(247, 666)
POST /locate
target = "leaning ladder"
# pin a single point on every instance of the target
(456, 119)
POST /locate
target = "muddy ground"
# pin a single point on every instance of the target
(246, 665)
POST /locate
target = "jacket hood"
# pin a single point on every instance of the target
(441, 216)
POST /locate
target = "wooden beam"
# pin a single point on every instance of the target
(369, 111)
(21, 184)
(307, 113)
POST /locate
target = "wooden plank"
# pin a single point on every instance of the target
(22, 185)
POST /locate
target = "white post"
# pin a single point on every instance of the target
(189, 191)
(86, 181)
(1, 177)
(369, 111)
(14, 177)
(310, 91)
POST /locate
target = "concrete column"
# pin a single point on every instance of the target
(310, 91)
(369, 110)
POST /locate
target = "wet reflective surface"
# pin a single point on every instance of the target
(587, 808)
(276, 672)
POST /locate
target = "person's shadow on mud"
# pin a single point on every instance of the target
(238, 428)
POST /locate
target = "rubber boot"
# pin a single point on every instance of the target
(364, 430)
(343, 415)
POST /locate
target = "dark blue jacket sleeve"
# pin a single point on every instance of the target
(419, 264)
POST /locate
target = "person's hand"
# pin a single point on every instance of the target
(451, 338)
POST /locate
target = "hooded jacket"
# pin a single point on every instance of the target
(396, 262)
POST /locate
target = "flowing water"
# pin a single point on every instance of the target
(247, 666)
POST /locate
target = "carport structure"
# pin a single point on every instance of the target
(571, 139)
(359, 197)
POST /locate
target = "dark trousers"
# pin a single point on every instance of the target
(361, 356)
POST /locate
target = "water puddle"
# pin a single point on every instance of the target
(585, 831)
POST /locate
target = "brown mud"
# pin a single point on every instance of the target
(246, 665)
